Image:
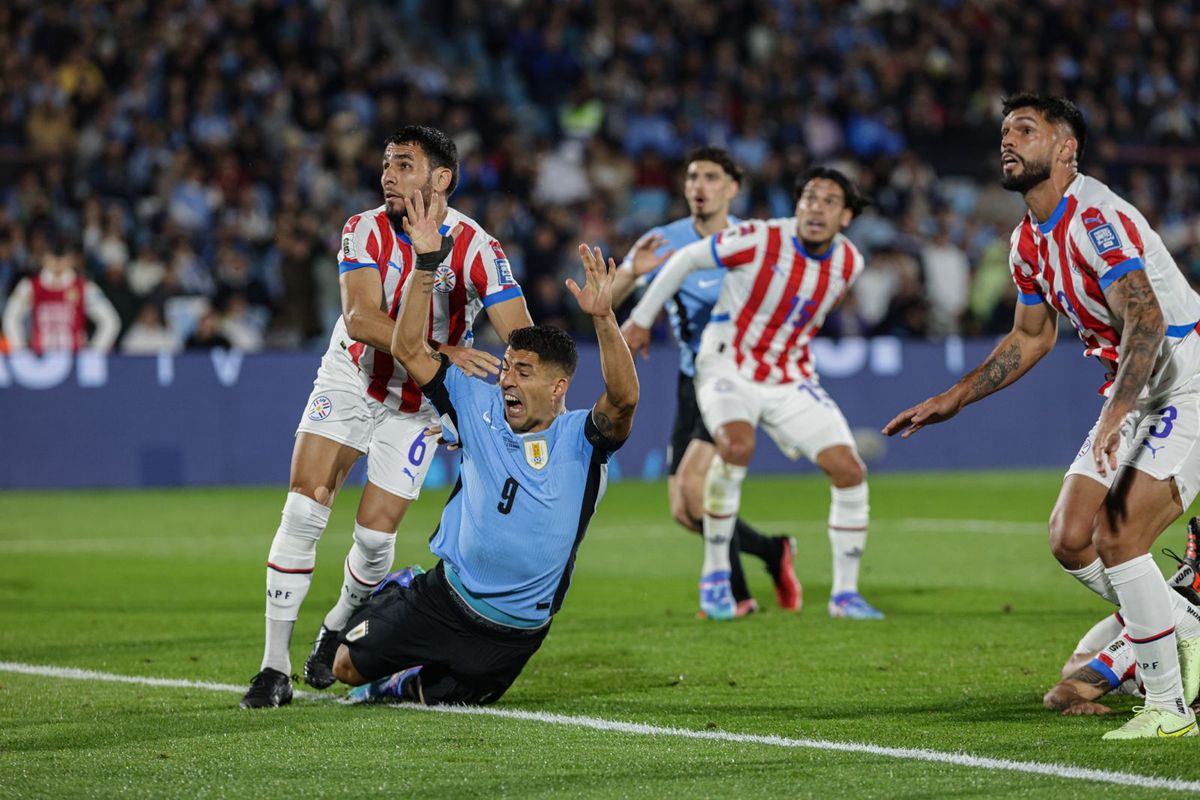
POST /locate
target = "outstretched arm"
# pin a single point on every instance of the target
(409, 345)
(697, 255)
(1076, 695)
(1132, 299)
(613, 412)
(1031, 338)
(640, 261)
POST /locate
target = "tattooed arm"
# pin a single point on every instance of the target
(1031, 338)
(1076, 694)
(1131, 298)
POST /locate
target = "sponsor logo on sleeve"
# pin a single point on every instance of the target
(1104, 238)
(503, 268)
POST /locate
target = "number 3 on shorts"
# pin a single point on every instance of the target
(1167, 419)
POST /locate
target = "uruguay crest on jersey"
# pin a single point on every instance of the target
(537, 453)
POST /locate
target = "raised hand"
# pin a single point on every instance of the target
(643, 258)
(423, 226)
(478, 363)
(595, 298)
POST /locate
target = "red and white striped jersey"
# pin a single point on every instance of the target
(59, 313)
(476, 274)
(775, 296)
(1092, 239)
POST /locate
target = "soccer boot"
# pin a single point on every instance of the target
(716, 596)
(851, 605)
(1151, 722)
(1189, 667)
(318, 667)
(1186, 579)
(743, 608)
(269, 689)
(391, 689)
(401, 577)
(788, 591)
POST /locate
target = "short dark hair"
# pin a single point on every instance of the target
(552, 345)
(437, 146)
(718, 156)
(1055, 109)
(854, 199)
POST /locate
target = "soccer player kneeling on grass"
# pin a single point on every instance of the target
(1103, 662)
(532, 475)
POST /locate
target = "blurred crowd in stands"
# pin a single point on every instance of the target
(202, 155)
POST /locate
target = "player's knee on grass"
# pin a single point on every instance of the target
(343, 668)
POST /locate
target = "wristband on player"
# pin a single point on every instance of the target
(428, 262)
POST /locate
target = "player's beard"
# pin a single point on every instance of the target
(1033, 173)
(397, 217)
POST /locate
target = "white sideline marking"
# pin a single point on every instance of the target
(146, 545)
(1064, 771)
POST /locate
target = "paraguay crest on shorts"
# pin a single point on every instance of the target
(319, 408)
(537, 453)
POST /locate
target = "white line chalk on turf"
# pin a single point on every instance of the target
(1063, 771)
(171, 683)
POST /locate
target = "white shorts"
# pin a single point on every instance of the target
(1160, 438)
(799, 417)
(398, 444)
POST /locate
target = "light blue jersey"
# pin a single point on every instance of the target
(692, 305)
(512, 525)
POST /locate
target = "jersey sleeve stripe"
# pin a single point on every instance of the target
(712, 243)
(1029, 299)
(1179, 331)
(501, 296)
(1106, 671)
(1124, 268)
(350, 266)
(738, 259)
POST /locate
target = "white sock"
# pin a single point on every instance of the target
(1186, 615)
(849, 512)
(289, 573)
(1147, 611)
(722, 498)
(366, 565)
(1095, 578)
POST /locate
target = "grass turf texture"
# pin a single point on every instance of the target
(169, 584)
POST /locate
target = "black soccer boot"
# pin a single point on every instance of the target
(269, 689)
(1186, 580)
(318, 668)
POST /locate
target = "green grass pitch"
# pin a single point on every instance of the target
(169, 584)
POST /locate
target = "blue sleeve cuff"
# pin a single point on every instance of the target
(1103, 669)
(349, 266)
(501, 296)
(1120, 269)
(712, 242)
(1029, 299)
